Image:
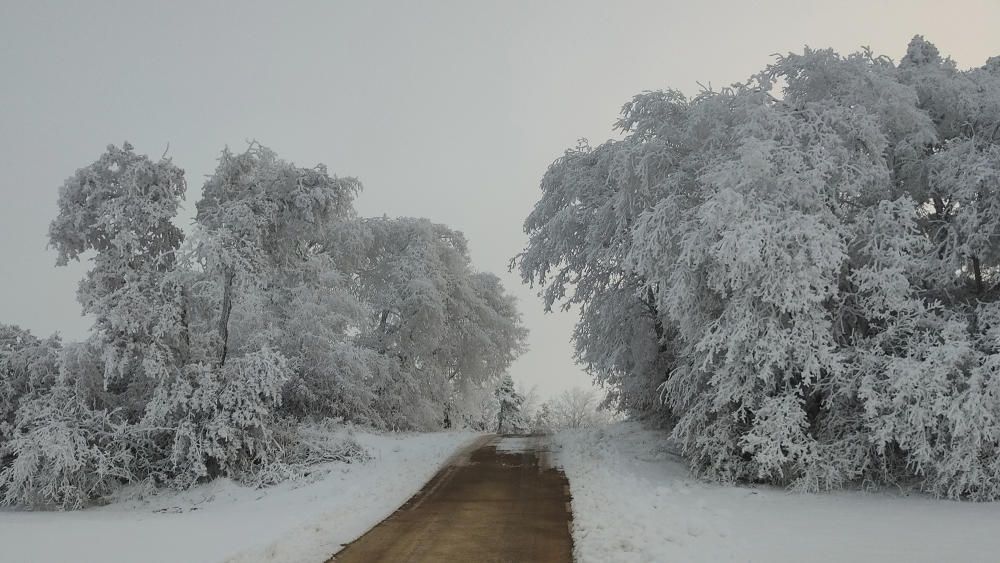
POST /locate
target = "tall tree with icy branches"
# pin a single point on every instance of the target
(80, 424)
(121, 208)
(444, 333)
(579, 238)
(510, 419)
(262, 219)
(806, 279)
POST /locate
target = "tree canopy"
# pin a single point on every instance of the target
(799, 273)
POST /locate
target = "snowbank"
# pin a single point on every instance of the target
(635, 501)
(292, 522)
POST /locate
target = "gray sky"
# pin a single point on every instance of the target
(446, 110)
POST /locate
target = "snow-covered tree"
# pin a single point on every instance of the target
(571, 409)
(29, 367)
(213, 357)
(263, 222)
(579, 239)
(120, 209)
(510, 419)
(798, 272)
(65, 453)
(447, 332)
(542, 419)
(81, 422)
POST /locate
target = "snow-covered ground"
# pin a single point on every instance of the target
(635, 501)
(296, 522)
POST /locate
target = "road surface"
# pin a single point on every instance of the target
(497, 501)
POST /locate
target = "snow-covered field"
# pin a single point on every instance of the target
(635, 501)
(296, 522)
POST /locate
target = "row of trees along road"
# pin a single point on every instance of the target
(208, 351)
(799, 274)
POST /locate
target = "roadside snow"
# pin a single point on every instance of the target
(291, 522)
(634, 501)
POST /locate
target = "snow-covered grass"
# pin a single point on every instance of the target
(634, 500)
(301, 521)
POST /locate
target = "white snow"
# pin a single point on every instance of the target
(516, 444)
(634, 500)
(296, 522)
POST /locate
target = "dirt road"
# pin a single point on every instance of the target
(498, 501)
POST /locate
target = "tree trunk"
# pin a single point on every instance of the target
(185, 328)
(978, 272)
(382, 323)
(657, 323)
(227, 308)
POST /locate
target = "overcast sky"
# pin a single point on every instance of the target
(446, 110)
